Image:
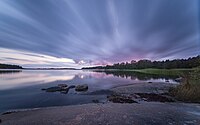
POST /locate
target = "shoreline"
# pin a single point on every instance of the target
(121, 89)
(102, 113)
(117, 89)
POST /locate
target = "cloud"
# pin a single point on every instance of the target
(29, 59)
(98, 32)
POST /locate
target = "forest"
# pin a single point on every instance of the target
(8, 66)
(143, 64)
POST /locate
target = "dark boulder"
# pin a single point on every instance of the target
(43, 89)
(83, 87)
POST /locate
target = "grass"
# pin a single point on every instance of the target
(167, 72)
(189, 89)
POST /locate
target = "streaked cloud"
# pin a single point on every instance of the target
(72, 33)
(28, 59)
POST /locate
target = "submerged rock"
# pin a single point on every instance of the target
(65, 91)
(72, 86)
(95, 101)
(83, 87)
(54, 89)
(117, 98)
(62, 88)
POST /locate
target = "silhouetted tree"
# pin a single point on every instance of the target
(8, 66)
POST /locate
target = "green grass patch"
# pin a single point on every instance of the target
(167, 72)
(189, 89)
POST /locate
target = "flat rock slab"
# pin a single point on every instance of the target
(151, 113)
(154, 87)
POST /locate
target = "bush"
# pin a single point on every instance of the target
(189, 89)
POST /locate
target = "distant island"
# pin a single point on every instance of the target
(9, 66)
(144, 64)
(50, 68)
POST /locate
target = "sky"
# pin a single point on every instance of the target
(79, 33)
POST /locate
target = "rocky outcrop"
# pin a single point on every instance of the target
(155, 97)
(80, 88)
(62, 88)
(118, 98)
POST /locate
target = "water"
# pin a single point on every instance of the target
(22, 89)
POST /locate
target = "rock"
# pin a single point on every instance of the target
(154, 97)
(64, 92)
(116, 98)
(95, 101)
(178, 79)
(136, 96)
(166, 80)
(62, 85)
(43, 89)
(54, 89)
(100, 92)
(62, 88)
(149, 82)
(81, 87)
(144, 99)
(71, 87)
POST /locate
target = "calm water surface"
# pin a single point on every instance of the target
(22, 89)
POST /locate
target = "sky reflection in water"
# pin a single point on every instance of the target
(23, 89)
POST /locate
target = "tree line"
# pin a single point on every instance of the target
(143, 64)
(8, 66)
